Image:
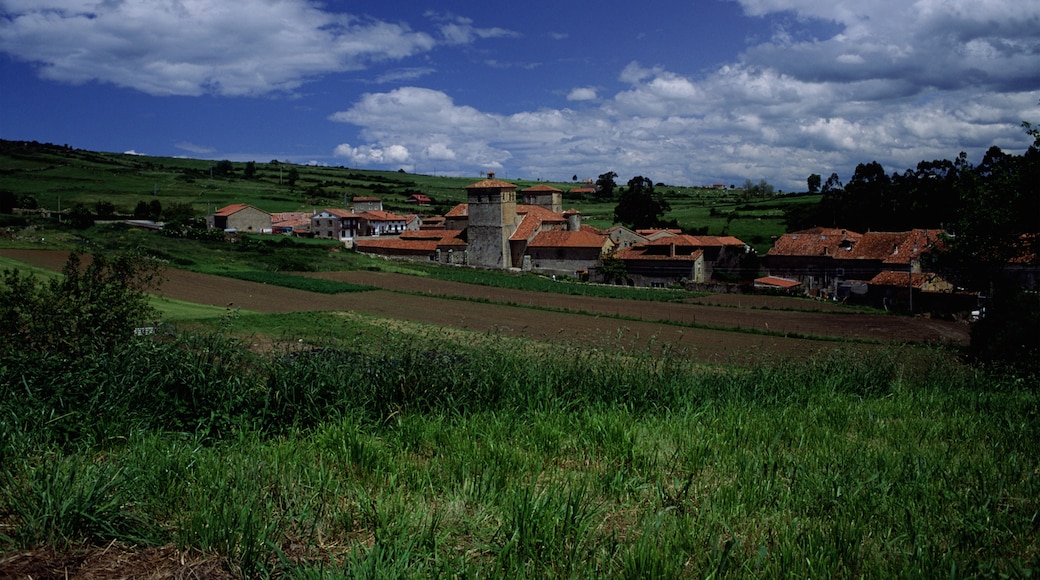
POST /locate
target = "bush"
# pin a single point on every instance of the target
(90, 309)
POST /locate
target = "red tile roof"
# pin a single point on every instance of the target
(231, 209)
(639, 252)
(813, 242)
(380, 216)
(543, 187)
(491, 184)
(461, 210)
(894, 247)
(566, 239)
(777, 282)
(685, 240)
(339, 212)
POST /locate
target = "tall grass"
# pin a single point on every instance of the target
(416, 456)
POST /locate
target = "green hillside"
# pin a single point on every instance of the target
(58, 176)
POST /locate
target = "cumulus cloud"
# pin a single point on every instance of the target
(370, 155)
(195, 47)
(886, 80)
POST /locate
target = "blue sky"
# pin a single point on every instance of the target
(684, 92)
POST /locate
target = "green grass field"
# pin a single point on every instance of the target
(414, 453)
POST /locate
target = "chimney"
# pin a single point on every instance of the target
(490, 174)
(573, 220)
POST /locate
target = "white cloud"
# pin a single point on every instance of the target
(582, 94)
(369, 155)
(194, 47)
(459, 30)
(194, 148)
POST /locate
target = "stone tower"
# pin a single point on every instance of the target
(492, 219)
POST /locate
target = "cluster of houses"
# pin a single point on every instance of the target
(494, 229)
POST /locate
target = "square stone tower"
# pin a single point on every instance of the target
(492, 219)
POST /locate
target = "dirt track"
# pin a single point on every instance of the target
(574, 319)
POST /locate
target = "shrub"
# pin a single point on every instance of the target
(92, 308)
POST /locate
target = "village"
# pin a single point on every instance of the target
(532, 232)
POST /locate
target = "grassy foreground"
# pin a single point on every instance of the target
(420, 454)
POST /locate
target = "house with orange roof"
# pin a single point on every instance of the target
(679, 258)
(336, 224)
(381, 223)
(810, 257)
(291, 222)
(240, 217)
(877, 252)
(362, 203)
(545, 196)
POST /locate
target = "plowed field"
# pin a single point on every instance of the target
(715, 329)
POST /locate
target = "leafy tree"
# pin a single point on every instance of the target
(605, 185)
(155, 210)
(91, 308)
(613, 270)
(104, 209)
(141, 211)
(250, 170)
(292, 177)
(639, 206)
(869, 202)
(80, 217)
(813, 183)
(8, 201)
(998, 227)
(223, 168)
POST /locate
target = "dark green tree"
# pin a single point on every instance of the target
(80, 217)
(605, 185)
(613, 270)
(250, 170)
(105, 209)
(639, 206)
(813, 183)
(292, 177)
(223, 168)
(8, 201)
(997, 231)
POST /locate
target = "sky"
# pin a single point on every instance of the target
(684, 92)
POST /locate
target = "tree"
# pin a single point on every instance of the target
(605, 185)
(104, 209)
(292, 177)
(868, 199)
(250, 170)
(223, 168)
(613, 270)
(80, 217)
(91, 308)
(639, 207)
(813, 183)
(998, 227)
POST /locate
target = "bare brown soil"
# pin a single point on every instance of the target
(783, 325)
(113, 561)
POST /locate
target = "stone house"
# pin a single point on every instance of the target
(239, 217)
(336, 224)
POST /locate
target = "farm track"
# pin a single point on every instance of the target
(551, 317)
